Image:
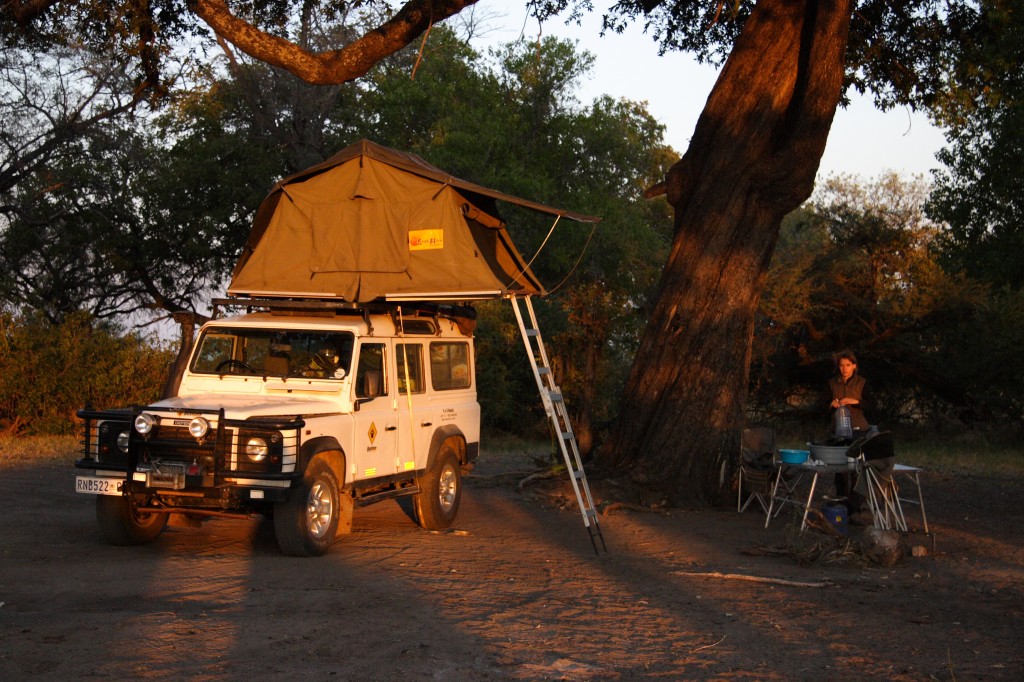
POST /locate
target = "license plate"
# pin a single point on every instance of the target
(96, 485)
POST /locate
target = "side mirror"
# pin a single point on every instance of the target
(372, 382)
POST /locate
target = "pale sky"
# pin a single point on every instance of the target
(863, 141)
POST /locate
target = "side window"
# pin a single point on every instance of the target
(409, 359)
(449, 365)
(370, 369)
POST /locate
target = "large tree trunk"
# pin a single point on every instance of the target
(753, 158)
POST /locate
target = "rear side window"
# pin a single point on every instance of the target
(449, 365)
(409, 358)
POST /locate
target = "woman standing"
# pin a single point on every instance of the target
(849, 389)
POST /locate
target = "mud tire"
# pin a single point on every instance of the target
(437, 503)
(122, 524)
(307, 523)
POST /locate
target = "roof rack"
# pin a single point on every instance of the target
(463, 315)
(303, 305)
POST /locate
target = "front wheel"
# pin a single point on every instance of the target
(307, 523)
(440, 491)
(123, 524)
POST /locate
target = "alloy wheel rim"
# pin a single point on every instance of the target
(447, 487)
(319, 508)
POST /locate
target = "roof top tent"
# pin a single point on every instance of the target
(373, 224)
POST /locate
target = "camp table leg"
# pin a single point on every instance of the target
(807, 507)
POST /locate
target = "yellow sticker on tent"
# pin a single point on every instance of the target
(422, 240)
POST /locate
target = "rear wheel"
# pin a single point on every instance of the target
(440, 491)
(306, 524)
(123, 524)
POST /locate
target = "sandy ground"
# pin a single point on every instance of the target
(515, 592)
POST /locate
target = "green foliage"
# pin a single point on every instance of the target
(128, 224)
(48, 372)
(994, 450)
(96, 216)
(980, 192)
(858, 268)
(505, 385)
(126, 215)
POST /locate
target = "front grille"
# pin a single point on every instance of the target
(178, 451)
(177, 444)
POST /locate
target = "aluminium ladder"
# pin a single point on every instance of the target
(554, 405)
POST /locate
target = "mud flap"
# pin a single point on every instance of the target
(346, 505)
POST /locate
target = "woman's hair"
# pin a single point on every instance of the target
(846, 355)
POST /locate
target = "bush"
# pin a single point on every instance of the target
(48, 372)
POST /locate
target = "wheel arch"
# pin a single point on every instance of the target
(327, 448)
(443, 434)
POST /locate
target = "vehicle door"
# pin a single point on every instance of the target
(452, 394)
(375, 451)
(416, 416)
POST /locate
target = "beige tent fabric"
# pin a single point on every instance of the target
(362, 228)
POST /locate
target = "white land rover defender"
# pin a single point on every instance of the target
(299, 411)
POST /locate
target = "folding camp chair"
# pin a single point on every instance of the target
(876, 461)
(757, 470)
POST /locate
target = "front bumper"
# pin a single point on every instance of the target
(170, 468)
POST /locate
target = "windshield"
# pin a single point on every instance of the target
(273, 352)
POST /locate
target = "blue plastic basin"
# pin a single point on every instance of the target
(794, 456)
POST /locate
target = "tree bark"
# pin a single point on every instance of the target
(752, 159)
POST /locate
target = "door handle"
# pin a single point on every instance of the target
(427, 424)
(390, 428)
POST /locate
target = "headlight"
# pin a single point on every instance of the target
(122, 441)
(256, 449)
(198, 427)
(144, 423)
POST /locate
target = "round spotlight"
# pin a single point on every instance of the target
(198, 427)
(256, 449)
(144, 423)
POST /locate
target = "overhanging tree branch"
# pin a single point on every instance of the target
(335, 66)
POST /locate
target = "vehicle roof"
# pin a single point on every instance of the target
(382, 324)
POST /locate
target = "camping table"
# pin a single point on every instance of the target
(814, 469)
(800, 472)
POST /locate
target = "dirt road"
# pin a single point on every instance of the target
(515, 593)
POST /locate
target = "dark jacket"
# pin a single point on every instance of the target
(856, 388)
